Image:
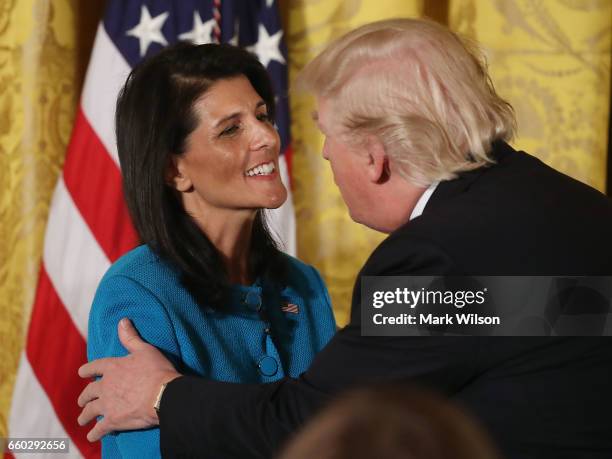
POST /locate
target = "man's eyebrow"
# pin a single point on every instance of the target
(261, 103)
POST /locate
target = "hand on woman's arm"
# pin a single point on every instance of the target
(128, 389)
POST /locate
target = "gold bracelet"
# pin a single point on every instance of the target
(159, 397)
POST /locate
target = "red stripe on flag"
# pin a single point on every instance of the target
(288, 154)
(94, 182)
(56, 350)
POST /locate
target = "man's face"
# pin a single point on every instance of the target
(347, 162)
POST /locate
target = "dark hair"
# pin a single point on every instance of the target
(155, 115)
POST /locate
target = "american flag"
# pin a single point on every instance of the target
(88, 225)
(290, 308)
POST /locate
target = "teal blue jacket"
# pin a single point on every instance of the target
(264, 336)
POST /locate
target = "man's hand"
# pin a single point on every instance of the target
(127, 391)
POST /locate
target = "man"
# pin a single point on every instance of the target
(415, 137)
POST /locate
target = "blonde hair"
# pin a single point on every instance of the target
(420, 88)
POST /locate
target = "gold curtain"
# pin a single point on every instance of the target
(551, 61)
(327, 237)
(44, 48)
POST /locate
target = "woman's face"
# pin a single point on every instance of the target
(231, 160)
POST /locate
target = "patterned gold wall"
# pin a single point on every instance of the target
(551, 60)
(44, 46)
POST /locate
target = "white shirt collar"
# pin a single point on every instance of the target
(422, 202)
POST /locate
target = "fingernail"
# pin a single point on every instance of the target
(124, 323)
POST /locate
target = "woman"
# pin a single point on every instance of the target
(199, 158)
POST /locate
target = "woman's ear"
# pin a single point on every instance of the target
(176, 176)
(378, 162)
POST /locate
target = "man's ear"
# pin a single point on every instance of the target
(378, 162)
(175, 175)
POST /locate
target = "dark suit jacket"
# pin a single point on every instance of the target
(538, 397)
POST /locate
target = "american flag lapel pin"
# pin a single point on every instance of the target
(290, 308)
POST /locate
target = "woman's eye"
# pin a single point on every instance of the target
(263, 117)
(230, 130)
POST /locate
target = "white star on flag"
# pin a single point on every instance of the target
(267, 47)
(149, 30)
(201, 32)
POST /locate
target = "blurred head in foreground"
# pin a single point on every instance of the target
(391, 422)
